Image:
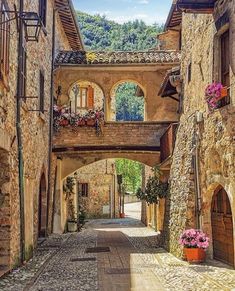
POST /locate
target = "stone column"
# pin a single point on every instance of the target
(57, 224)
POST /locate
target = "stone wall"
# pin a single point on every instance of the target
(102, 189)
(216, 132)
(35, 128)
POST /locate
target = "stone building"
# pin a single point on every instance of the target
(202, 168)
(25, 102)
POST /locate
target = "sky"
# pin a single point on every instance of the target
(121, 11)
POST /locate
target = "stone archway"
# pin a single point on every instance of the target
(5, 219)
(222, 227)
(42, 207)
(134, 94)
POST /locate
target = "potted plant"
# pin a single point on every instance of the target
(214, 93)
(69, 193)
(195, 242)
(72, 221)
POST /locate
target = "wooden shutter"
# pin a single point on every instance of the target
(90, 97)
(4, 42)
(225, 64)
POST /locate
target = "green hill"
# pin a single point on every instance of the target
(102, 34)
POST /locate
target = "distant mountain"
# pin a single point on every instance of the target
(102, 34)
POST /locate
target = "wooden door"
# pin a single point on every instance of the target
(222, 227)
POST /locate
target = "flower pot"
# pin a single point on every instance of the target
(195, 255)
(72, 226)
(122, 215)
(64, 122)
(90, 122)
(224, 92)
(81, 122)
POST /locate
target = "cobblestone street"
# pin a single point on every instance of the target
(127, 259)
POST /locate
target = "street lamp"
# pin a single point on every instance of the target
(31, 21)
(32, 26)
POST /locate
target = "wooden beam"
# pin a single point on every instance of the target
(112, 148)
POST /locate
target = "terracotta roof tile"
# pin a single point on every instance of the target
(117, 57)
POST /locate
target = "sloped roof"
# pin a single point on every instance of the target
(117, 57)
(190, 6)
(69, 22)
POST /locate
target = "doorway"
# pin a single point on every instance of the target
(222, 227)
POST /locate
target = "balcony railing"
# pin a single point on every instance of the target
(167, 142)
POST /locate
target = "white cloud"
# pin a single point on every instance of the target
(143, 1)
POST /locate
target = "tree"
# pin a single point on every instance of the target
(131, 172)
(102, 34)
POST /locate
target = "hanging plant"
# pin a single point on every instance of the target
(155, 189)
(214, 93)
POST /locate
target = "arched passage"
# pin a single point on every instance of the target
(222, 227)
(128, 101)
(42, 207)
(85, 95)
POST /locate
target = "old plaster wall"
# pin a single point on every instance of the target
(217, 131)
(35, 129)
(156, 109)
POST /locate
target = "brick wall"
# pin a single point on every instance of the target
(114, 133)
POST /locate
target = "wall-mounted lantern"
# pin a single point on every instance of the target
(32, 26)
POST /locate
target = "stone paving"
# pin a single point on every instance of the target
(134, 263)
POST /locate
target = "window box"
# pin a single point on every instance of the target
(90, 122)
(214, 93)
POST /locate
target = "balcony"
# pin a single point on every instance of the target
(167, 143)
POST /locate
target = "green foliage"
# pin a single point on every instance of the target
(68, 190)
(102, 34)
(155, 188)
(131, 172)
(129, 107)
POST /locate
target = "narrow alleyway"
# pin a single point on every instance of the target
(113, 255)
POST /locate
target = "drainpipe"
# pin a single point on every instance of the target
(19, 134)
(197, 175)
(51, 122)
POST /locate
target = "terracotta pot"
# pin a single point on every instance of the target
(224, 92)
(122, 215)
(195, 255)
(90, 122)
(64, 122)
(81, 122)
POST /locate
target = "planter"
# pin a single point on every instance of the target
(122, 215)
(195, 255)
(81, 122)
(64, 122)
(72, 226)
(90, 122)
(224, 92)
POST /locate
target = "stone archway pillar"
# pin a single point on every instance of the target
(58, 226)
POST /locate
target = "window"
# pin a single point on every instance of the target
(43, 11)
(225, 64)
(83, 189)
(23, 75)
(41, 93)
(4, 42)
